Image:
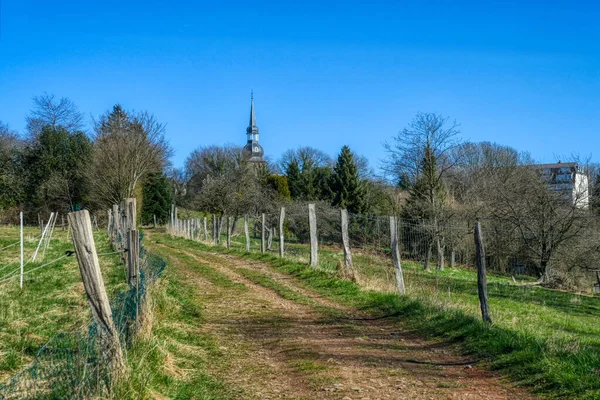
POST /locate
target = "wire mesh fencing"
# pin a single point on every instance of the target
(75, 365)
(438, 261)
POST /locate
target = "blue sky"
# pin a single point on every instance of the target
(324, 74)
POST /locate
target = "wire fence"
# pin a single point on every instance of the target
(438, 263)
(73, 365)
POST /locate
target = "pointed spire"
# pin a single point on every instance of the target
(252, 117)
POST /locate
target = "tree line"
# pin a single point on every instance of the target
(430, 177)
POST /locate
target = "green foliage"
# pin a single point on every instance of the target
(595, 195)
(279, 185)
(56, 163)
(309, 183)
(294, 179)
(157, 199)
(11, 182)
(345, 185)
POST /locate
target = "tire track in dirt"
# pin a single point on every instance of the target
(335, 359)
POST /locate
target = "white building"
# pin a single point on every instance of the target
(567, 178)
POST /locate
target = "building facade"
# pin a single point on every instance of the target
(569, 179)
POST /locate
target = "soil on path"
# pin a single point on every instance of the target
(282, 341)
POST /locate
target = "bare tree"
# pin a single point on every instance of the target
(127, 146)
(48, 110)
(421, 154)
(307, 157)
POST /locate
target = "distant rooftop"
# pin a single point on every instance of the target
(556, 165)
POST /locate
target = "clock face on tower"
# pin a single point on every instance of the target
(255, 149)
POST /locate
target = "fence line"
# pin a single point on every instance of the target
(80, 365)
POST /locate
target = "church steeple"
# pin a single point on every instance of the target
(252, 130)
(252, 151)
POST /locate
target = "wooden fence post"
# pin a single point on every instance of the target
(205, 230)
(131, 213)
(349, 269)
(214, 231)
(396, 256)
(481, 274)
(314, 244)
(133, 258)
(247, 233)
(281, 233)
(89, 267)
(270, 238)
(262, 234)
(228, 232)
(108, 222)
(116, 227)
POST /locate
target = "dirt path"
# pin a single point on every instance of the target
(283, 341)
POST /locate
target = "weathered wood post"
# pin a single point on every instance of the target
(131, 208)
(89, 267)
(247, 232)
(396, 256)
(109, 223)
(172, 220)
(205, 230)
(116, 227)
(481, 274)
(314, 244)
(281, 233)
(154, 218)
(228, 232)
(214, 230)
(348, 267)
(262, 234)
(270, 238)
(133, 258)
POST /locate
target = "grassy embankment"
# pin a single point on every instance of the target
(547, 340)
(52, 299)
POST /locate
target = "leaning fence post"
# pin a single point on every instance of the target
(314, 244)
(481, 275)
(89, 267)
(247, 232)
(349, 270)
(396, 255)
(281, 234)
(262, 234)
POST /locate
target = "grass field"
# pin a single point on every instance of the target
(52, 299)
(545, 339)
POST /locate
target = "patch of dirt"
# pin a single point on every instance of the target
(280, 349)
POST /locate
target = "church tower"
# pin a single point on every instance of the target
(252, 151)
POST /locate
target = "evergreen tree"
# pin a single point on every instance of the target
(278, 184)
(56, 163)
(427, 195)
(157, 198)
(294, 180)
(595, 195)
(345, 185)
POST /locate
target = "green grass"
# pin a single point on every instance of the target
(172, 360)
(52, 299)
(547, 340)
